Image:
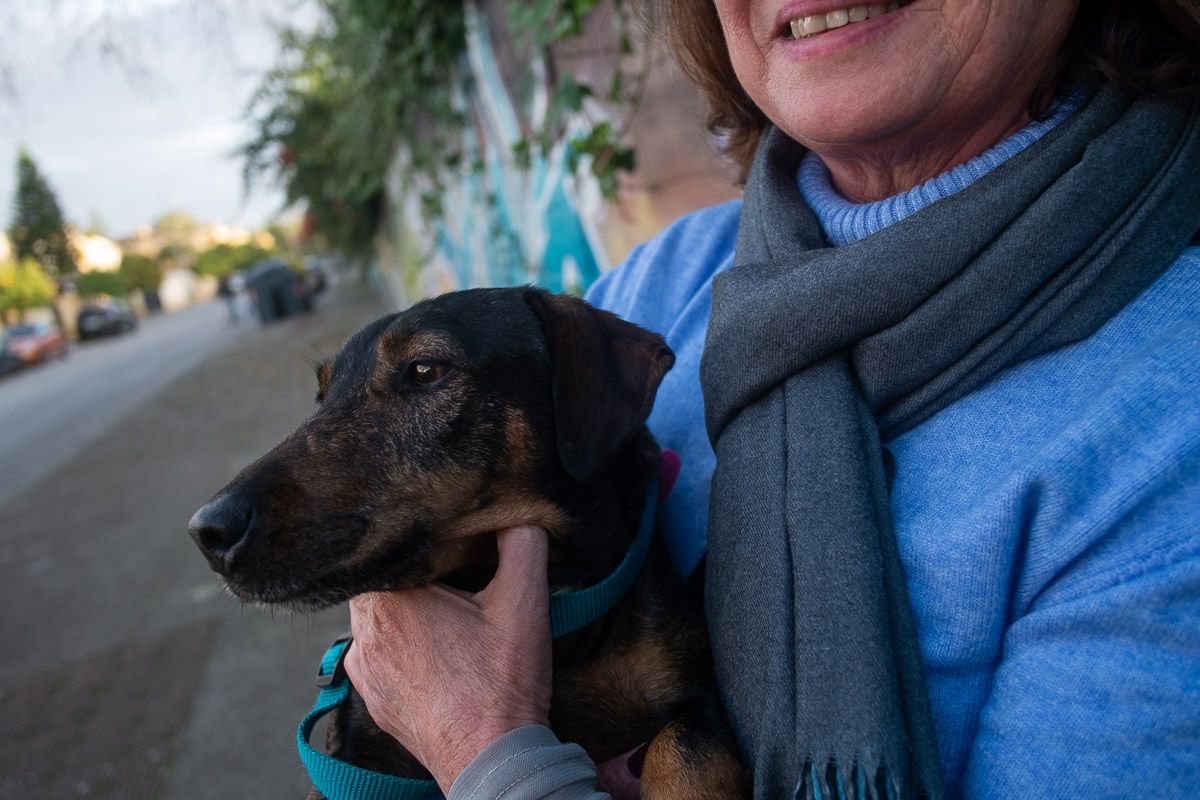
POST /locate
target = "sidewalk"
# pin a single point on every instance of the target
(128, 674)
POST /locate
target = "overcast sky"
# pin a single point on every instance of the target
(132, 108)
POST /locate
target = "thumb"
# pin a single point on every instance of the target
(521, 585)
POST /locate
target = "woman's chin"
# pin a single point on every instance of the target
(830, 118)
(860, 99)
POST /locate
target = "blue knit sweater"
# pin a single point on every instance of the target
(1049, 526)
(1049, 523)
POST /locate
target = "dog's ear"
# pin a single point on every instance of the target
(606, 373)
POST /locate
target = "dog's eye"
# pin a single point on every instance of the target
(426, 372)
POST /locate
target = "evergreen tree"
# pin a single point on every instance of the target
(38, 229)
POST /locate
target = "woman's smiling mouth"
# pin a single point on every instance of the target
(809, 26)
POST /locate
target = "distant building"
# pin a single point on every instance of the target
(208, 236)
(95, 253)
(148, 242)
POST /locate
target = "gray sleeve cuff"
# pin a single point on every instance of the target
(528, 764)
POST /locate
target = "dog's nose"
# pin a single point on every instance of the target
(221, 526)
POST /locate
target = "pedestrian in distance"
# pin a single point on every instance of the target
(226, 292)
(937, 396)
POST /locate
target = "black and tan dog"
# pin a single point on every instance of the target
(437, 426)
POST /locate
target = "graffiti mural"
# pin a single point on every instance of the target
(500, 225)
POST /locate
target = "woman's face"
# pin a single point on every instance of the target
(925, 69)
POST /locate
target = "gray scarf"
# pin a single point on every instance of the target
(816, 356)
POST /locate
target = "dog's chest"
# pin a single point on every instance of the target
(626, 694)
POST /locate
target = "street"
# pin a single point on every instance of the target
(128, 673)
(48, 413)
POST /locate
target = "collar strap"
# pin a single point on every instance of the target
(569, 611)
(572, 610)
(340, 780)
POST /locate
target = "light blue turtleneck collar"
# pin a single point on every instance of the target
(844, 221)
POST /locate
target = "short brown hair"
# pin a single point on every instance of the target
(1146, 48)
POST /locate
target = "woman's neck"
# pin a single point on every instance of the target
(844, 220)
(864, 174)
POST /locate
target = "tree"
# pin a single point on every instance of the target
(329, 115)
(176, 224)
(24, 285)
(96, 283)
(175, 255)
(375, 74)
(38, 229)
(224, 259)
(141, 272)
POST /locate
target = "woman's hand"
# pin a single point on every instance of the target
(447, 673)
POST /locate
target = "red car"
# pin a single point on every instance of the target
(35, 343)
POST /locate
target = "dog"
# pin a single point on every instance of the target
(436, 427)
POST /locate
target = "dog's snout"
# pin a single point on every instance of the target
(221, 526)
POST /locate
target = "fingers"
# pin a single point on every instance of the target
(425, 658)
(521, 584)
(360, 608)
(387, 616)
(364, 620)
(352, 663)
(519, 590)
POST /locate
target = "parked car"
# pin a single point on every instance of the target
(35, 343)
(8, 361)
(105, 320)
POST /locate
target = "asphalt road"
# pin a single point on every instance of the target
(127, 673)
(50, 412)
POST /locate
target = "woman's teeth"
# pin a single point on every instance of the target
(819, 23)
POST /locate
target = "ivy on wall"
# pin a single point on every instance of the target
(550, 27)
(375, 75)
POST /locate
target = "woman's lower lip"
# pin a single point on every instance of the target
(856, 33)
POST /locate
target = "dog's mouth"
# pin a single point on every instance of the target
(271, 562)
(316, 582)
(287, 596)
(346, 580)
(309, 593)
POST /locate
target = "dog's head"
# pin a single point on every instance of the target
(462, 415)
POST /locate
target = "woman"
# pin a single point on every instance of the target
(963, 300)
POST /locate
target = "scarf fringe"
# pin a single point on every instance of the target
(835, 783)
